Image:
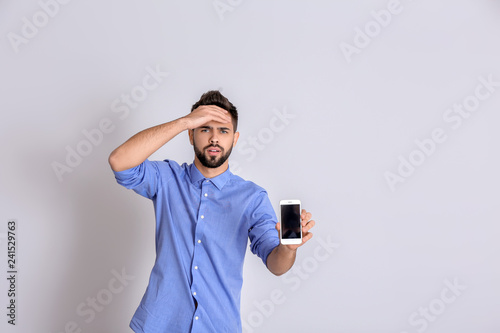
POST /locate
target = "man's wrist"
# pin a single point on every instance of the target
(287, 249)
(183, 124)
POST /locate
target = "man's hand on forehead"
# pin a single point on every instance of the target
(205, 114)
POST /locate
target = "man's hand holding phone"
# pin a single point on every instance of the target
(294, 232)
(294, 228)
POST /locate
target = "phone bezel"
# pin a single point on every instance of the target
(291, 241)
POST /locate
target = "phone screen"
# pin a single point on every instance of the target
(290, 221)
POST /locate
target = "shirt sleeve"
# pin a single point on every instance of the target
(143, 179)
(262, 232)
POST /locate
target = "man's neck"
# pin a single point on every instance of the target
(210, 172)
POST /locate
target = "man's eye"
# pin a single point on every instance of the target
(204, 130)
(224, 132)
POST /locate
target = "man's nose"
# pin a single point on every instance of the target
(214, 138)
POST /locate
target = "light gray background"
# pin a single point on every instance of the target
(349, 122)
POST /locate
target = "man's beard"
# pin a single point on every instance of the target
(212, 161)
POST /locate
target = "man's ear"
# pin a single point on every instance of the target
(236, 137)
(191, 138)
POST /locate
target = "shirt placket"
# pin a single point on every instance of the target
(199, 250)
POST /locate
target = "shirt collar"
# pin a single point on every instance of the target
(219, 181)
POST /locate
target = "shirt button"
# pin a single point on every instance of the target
(199, 241)
(206, 194)
(196, 318)
(195, 267)
(203, 216)
(194, 293)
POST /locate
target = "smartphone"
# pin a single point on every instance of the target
(291, 228)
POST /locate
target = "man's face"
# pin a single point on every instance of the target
(213, 143)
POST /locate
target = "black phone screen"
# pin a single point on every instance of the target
(290, 221)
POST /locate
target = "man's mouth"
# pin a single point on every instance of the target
(212, 151)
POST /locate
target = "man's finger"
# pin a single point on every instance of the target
(220, 116)
(308, 226)
(307, 237)
(218, 110)
(305, 215)
(215, 112)
(306, 219)
(223, 119)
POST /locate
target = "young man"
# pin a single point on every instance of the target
(204, 215)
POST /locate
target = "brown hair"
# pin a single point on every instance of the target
(214, 97)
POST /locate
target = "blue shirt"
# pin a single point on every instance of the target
(202, 227)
